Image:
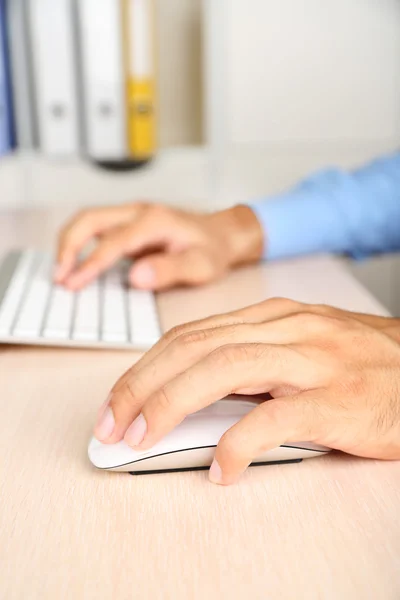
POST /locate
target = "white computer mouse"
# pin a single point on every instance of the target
(191, 445)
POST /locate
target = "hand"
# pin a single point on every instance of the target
(171, 246)
(334, 377)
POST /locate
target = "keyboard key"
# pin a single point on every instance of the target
(30, 319)
(59, 316)
(143, 318)
(32, 309)
(87, 314)
(12, 297)
(114, 317)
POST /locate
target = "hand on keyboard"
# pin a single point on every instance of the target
(171, 247)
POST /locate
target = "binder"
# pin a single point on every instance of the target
(100, 25)
(140, 78)
(52, 35)
(6, 122)
(21, 73)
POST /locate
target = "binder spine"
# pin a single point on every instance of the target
(103, 79)
(21, 74)
(51, 28)
(6, 117)
(140, 86)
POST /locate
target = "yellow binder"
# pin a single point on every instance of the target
(138, 17)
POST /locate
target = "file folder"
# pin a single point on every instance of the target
(21, 73)
(101, 45)
(6, 121)
(140, 78)
(53, 51)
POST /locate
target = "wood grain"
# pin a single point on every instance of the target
(326, 529)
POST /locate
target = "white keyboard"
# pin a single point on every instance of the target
(105, 314)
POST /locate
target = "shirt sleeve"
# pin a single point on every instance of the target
(356, 213)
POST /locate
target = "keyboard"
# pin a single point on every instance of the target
(107, 313)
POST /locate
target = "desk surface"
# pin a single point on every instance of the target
(328, 528)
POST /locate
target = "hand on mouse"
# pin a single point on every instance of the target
(334, 377)
(171, 246)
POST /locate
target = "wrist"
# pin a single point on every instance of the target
(241, 234)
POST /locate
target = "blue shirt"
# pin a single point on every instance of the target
(357, 213)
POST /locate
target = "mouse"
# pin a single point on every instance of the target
(191, 445)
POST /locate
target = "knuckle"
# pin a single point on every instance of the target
(134, 389)
(164, 399)
(174, 333)
(312, 321)
(140, 205)
(278, 413)
(191, 338)
(158, 210)
(272, 410)
(229, 444)
(125, 398)
(231, 354)
(323, 309)
(284, 303)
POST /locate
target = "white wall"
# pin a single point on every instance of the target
(179, 71)
(313, 72)
(306, 72)
(299, 85)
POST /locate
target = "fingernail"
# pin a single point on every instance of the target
(136, 432)
(105, 424)
(215, 473)
(143, 276)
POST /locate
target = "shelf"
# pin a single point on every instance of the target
(29, 180)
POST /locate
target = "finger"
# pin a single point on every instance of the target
(166, 360)
(223, 372)
(83, 228)
(269, 425)
(148, 358)
(194, 332)
(189, 348)
(220, 373)
(169, 337)
(140, 383)
(111, 248)
(256, 313)
(273, 308)
(162, 271)
(197, 336)
(145, 233)
(250, 314)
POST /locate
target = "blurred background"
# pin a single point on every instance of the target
(212, 101)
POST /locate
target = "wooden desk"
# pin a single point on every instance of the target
(326, 529)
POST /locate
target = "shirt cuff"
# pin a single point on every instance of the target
(295, 224)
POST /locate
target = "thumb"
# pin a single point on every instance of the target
(269, 425)
(162, 271)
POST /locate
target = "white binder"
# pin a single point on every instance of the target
(21, 73)
(53, 50)
(102, 63)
